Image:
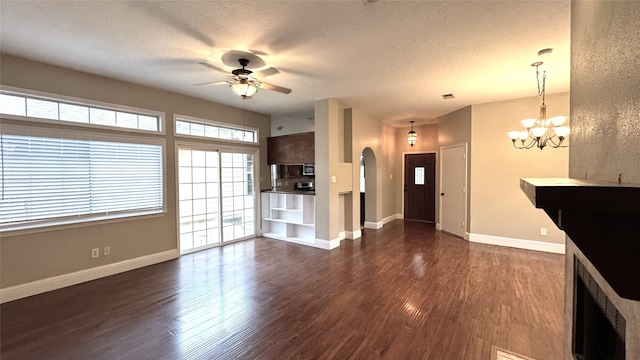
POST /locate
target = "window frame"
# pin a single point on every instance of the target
(39, 95)
(28, 129)
(237, 148)
(191, 119)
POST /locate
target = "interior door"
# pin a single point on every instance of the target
(453, 194)
(420, 187)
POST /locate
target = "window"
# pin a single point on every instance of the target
(238, 201)
(249, 173)
(207, 129)
(216, 197)
(419, 175)
(47, 180)
(50, 176)
(32, 107)
(198, 198)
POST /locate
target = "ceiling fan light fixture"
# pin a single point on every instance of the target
(245, 88)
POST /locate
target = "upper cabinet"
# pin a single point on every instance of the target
(291, 149)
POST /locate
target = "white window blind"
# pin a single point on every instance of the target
(45, 180)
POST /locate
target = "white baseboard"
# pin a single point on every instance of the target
(353, 234)
(330, 244)
(318, 243)
(373, 225)
(390, 218)
(57, 282)
(518, 243)
(438, 227)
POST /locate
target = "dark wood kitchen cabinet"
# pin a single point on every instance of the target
(291, 149)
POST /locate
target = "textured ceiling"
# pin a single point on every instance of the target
(392, 59)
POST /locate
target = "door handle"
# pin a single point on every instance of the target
(441, 194)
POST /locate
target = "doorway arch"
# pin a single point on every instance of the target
(369, 186)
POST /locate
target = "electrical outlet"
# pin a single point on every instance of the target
(107, 250)
(543, 231)
(95, 253)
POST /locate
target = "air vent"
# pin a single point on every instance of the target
(448, 96)
(369, 2)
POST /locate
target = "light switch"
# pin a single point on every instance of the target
(333, 179)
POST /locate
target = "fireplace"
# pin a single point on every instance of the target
(599, 330)
(602, 298)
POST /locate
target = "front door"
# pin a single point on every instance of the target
(420, 187)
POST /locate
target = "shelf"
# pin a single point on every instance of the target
(285, 221)
(285, 209)
(602, 219)
(289, 217)
(585, 195)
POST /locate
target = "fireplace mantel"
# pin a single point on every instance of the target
(602, 219)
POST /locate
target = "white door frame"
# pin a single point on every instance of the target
(256, 186)
(466, 187)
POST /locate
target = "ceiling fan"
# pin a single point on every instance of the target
(244, 82)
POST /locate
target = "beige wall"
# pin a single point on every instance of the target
(328, 115)
(391, 173)
(35, 256)
(292, 124)
(605, 124)
(367, 133)
(455, 128)
(498, 207)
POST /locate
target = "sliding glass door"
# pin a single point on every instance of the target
(238, 200)
(216, 197)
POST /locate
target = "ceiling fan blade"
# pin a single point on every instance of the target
(266, 72)
(279, 89)
(213, 67)
(212, 83)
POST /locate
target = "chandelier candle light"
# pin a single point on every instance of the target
(541, 132)
(412, 136)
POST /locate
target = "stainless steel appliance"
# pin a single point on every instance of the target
(308, 170)
(304, 186)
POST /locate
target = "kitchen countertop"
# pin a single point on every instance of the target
(299, 192)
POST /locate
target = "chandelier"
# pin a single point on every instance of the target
(412, 136)
(542, 131)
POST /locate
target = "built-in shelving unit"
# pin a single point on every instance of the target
(288, 216)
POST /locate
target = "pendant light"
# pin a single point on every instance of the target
(412, 136)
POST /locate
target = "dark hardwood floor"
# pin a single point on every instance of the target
(403, 292)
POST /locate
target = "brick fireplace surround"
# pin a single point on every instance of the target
(602, 223)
